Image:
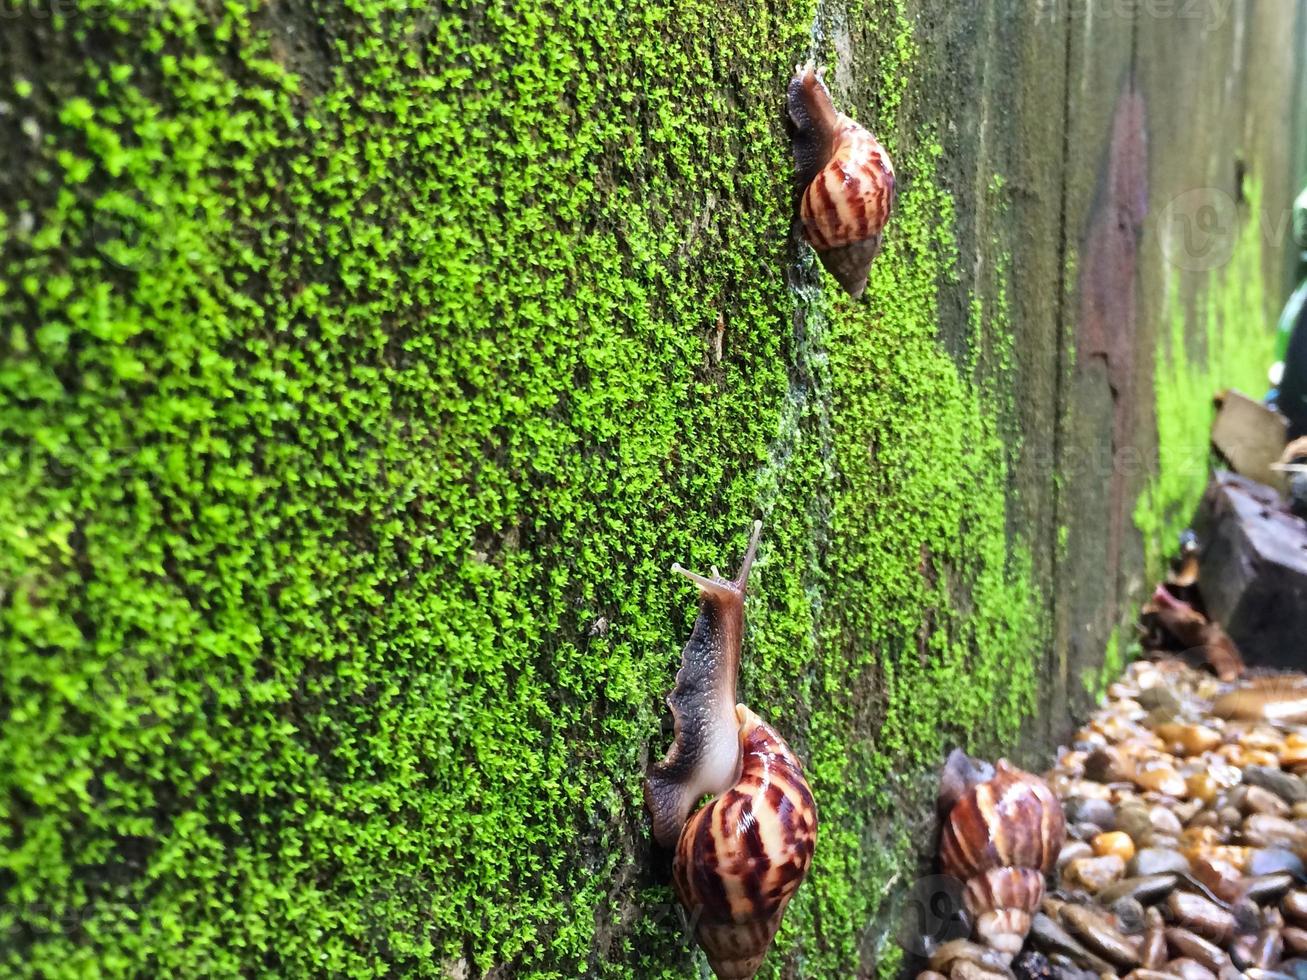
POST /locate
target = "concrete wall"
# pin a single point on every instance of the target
(365, 368)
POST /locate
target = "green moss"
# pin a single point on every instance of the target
(1230, 343)
(362, 380)
(1096, 681)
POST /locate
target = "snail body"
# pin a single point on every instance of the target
(846, 182)
(739, 860)
(1002, 833)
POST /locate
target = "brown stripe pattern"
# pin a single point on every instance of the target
(1002, 902)
(1011, 820)
(742, 857)
(851, 197)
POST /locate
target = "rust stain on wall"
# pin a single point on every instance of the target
(1108, 320)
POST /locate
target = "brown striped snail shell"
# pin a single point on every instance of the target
(846, 182)
(742, 856)
(1002, 903)
(739, 860)
(1001, 835)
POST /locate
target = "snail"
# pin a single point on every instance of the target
(1003, 830)
(739, 860)
(845, 178)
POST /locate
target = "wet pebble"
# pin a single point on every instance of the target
(956, 951)
(1272, 860)
(1265, 830)
(1114, 842)
(1146, 888)
(1158, 860)
(1096, 873)
(1268, 888)
(1286, 786)
(1294, 906)
(1053, 939)
(1031, 965)
(1257, 799)
(1098, 812)
(1128, 913)
(1093, 929)
(1188, 969)
(1071, 850)
(1186, 944)
(964, 970)
(1152, 949)
(1200, 915)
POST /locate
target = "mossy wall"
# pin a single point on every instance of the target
(364, 370)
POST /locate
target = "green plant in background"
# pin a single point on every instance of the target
(1237, 349)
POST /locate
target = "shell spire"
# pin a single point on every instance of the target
(1002, 903)
(846, 181)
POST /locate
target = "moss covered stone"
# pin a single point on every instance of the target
(362, 378)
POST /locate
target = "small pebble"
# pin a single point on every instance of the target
(964, 970)
(957, 951)
(1147, 888)
(1160, 699)
(1190, 739)
(1268, 888)
(1187, 944)
(1267, 830)
(1295, 939)
(1127, 912)
(1188, 969)
(1220, 877)
(1268, 949)
(1294, 906)
(1114, 842)
(1152, 949)
(1082, 809)
(1165, 822)
(1258, 799)
(1053, 939)
(1158, 860)
(1094, 930)
(1073, 849)
(1270, 860)
(1294, 751)
(1203, 917)
(1093, 874)
(1032, 966)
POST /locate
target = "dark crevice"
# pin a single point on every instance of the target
(1060, 357)
(1120, 579)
